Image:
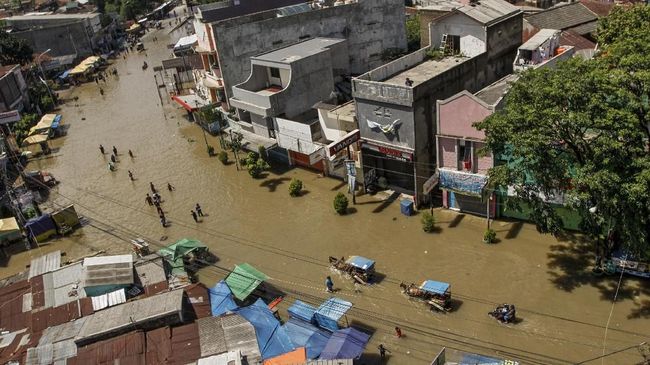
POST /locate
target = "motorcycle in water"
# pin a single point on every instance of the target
(504, 313)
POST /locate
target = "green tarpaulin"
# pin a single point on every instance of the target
(175, 252)
(244, 280)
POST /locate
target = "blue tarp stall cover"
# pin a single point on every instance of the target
(56, 122)
(328, 314)
(437, 287)
(221, 299)
(303, 334)
(347, 343)
(473, 359)
(462, 182)
(271, 337)
(302, 310)
(41, 228)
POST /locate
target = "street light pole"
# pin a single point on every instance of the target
(38, 63)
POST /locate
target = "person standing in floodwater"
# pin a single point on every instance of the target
(101, 149)
(113, 159)
(198, 210)
(382, 351)
(153, 188)
(131, 175)
(163, 221)
(130, 154)
(149, 200)
(329, 284)
(170, 187)
(101, 91)
(196, 219)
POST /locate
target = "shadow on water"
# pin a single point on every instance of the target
(514, 230)
(384, 204)
(338, 186)
(456, 221)
(273, 183)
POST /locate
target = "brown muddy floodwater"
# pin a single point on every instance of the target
(564, 309)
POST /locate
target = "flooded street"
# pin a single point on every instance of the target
(564, 309)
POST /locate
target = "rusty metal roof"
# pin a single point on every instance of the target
(127, 349)
(199, 299)
(12, 317)
(185, 344)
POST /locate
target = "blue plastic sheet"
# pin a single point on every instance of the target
(40, 225)
(473, 359)
(328, 314)
(303, 334)
(221, 299)
(271, 337)
(437, 287)
(302, 310)
(347, 343)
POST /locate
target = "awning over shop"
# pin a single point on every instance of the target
(243, 280)
(45, 123)
(347, 343)
(297, 356)
(462, 182)
(271, 337)
(190, 102)
(8, 227)
(36, 139)
(221, 299)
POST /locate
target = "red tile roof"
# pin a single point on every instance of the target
(600, 8)
(571, 38)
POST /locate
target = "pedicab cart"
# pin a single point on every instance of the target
(437, 294)
(360, 268)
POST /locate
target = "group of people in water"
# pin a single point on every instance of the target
(154, 199)
(114, 159)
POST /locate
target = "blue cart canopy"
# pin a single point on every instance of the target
(347, 343)
(436, 287)
(302, 310)
(271, 337)
(361, 262)
(328, 314)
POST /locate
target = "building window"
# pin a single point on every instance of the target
(275, 72)
(464, 155)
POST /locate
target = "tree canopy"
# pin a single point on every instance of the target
(14, 50)
(581, 132)
(413, 33)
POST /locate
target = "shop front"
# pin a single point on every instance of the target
(465, 192)
(388, 167)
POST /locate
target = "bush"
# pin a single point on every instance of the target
(341, 203)
(222, 156)
(251, 158)
(295, 187)
(489, 236)
(255, 169)
(261, 150)
(428, 222)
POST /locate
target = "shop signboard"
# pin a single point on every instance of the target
(431, 182)
(316, 156)
(390, 152)
(9, 117)
(338, 146)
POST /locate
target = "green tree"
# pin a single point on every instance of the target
(14, 50)
(577, 132)
(413, 33)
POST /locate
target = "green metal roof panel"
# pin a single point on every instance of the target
(243, 280)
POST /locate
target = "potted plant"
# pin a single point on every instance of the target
(295, 187)
(428, 222)
(489, 236)
(222, 156)
(340, 203)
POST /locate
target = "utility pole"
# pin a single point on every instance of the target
(38, 63)
(234, 147)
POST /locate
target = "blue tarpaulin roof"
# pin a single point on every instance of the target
(56, 122)
(40, 225)
(347, 343)
(473, 359)
(302, 310)
(328, 314)
(360, 262)
(221, 299)
(435, 286)
(303, 334)
(271, 337)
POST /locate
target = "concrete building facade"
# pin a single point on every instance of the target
(13, 89)
(396, 103)
(371, 27)
(64, 34)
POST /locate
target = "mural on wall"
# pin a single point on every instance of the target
(385, 123)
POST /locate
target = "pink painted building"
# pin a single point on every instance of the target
(462, 167)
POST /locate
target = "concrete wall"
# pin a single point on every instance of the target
(210, 13)
(294, 136)
(203, 40)
(457, 116)
(483, 163)
(90, 21)
(13, 92)
(447, 153)
(426, 17)
(370, 26)
(311, 81)
(62, 40)
(472, 33)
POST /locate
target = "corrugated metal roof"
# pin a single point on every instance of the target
(229, 358)
(199, 299)
(108, 270)
(158, 346)
(118, 318)
(538, 39)
(12, 317)
(150, 272)
(489, 11)
(213, 339)
(109, 299)
(45, 263)
(63, 286)
(240, 336)
(562, 17)
(48, 354)
(128, 349)
(185, 343)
